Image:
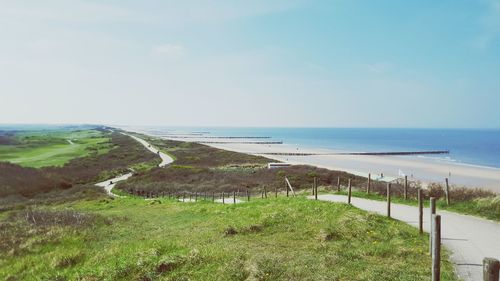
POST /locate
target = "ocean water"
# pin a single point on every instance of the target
(467, 146)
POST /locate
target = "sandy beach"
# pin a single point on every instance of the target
(417, 168)
(423, 169)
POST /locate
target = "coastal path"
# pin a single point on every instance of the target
(108, 185)
(470, 239)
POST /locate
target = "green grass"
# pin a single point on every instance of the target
(53, 148)
(488, 207)
(273, 239)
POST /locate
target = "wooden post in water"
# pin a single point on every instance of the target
(338, 184)
(433, 212)
(405, 190)
(436, 248)
(234, 197)
(389, 200)
(420, 212)
(349, 187)
(368, 186)
(491, 267)
(447, 192)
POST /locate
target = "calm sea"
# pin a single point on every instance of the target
(467, 146)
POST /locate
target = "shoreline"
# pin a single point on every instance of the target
(422, 169)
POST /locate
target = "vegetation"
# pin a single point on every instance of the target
(200, 168)
(273, 239)
(476, 202)
(17, 182)
(74, 232)
(50, 148)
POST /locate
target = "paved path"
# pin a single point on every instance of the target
(164, 157)
(469, 238)
(108, 185)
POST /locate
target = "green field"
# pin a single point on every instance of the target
(52, 148)
(273, 239)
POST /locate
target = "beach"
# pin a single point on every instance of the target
(418, 168)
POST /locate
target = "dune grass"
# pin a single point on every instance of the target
(273, 239)
(38, 149)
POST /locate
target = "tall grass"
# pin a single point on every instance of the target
(273, 239)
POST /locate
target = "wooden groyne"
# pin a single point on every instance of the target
(400, 153)
(213, 137)
(397, 153)
(240, 142)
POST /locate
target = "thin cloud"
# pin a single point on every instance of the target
(490, 25)
(169, 50)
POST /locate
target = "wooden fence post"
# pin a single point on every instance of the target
(338, 184)
(433, 212)
(491, 267)
(275, 192)
(389, 200)
(265, 192)
(420, 212)
(368, 186)
(349, 193)
(248, 195)
(405, 190)
(447, 192)
(234, 197)
(196, 197)
(213, 196)
(436, 248)
(184, 197)
(315, 189)
(286, 186)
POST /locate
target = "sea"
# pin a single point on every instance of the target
(478, 147)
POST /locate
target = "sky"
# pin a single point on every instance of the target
(282, 63)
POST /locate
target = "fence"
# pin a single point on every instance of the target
(491, 266)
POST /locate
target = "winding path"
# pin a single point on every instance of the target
(108, 185)
(469, 238)
(164, 157)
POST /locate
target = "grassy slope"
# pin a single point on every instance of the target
(274, 239)
(52, 148)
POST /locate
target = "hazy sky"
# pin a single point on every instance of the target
(251, 63)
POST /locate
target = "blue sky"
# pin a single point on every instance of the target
(251, 63)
